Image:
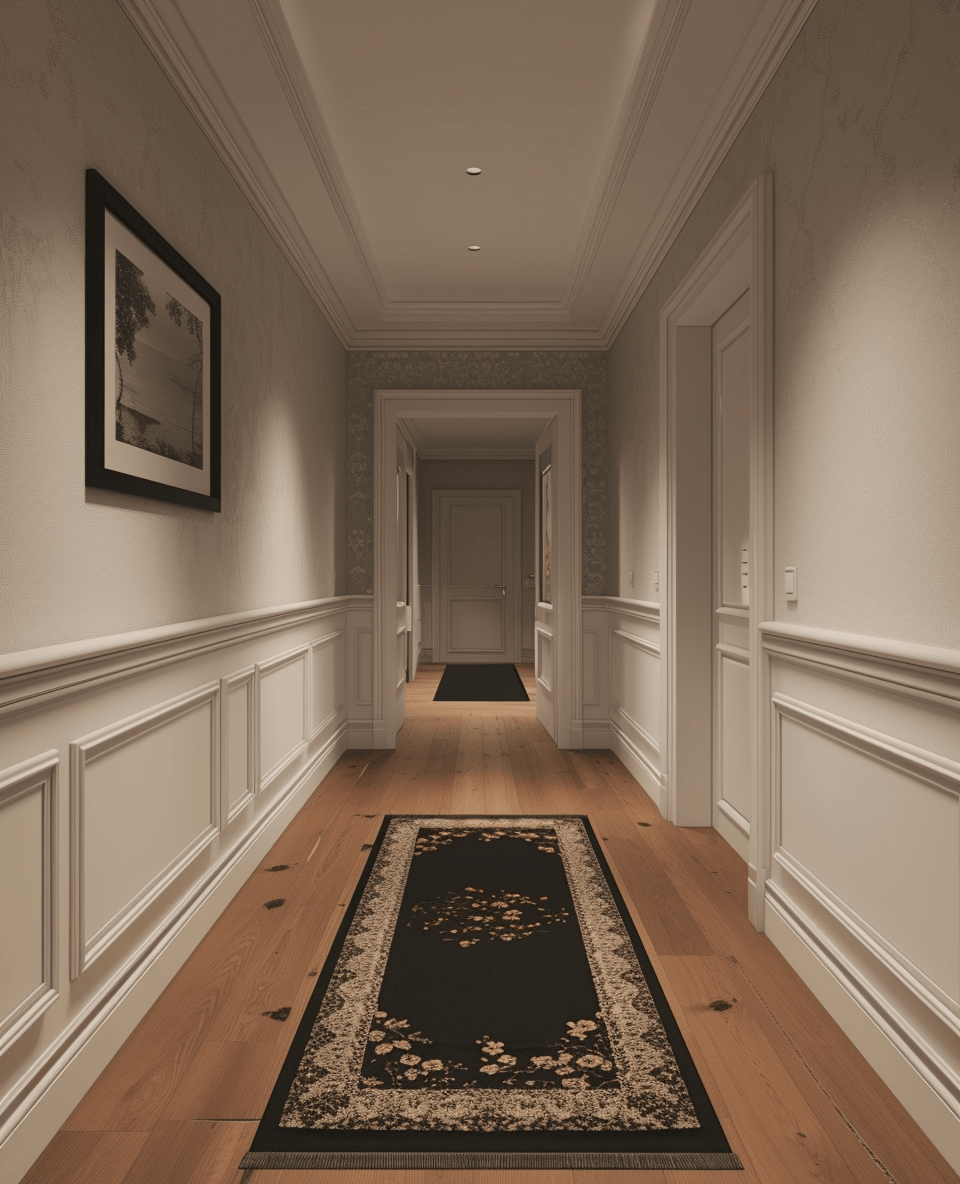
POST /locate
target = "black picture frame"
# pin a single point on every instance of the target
(153, 407)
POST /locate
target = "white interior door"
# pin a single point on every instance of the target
(477, 592)
(545, 655)
(732, 351)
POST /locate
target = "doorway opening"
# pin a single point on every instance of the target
(562, 648)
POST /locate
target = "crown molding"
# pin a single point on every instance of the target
(170, 39)
(425, 325)
(284, 54)
(764, 64)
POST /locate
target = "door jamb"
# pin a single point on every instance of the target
(740, 253)
(391, 405)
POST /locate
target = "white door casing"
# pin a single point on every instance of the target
(391, 407)
(544, 628)
(740, 257)
(476, 580)
(731, 350)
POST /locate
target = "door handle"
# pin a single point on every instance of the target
(502, 587)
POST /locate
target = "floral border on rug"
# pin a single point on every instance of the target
(648, 1093)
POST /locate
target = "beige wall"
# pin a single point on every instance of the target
(860, 131)
(79, 89)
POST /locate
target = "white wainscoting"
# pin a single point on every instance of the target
(621, 684)
(186, 750)
(863, 892)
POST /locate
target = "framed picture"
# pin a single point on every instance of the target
(546, 590)
(152, 360)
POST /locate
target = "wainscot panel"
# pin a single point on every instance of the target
(190, 748)
(621, 684)
(863, 891)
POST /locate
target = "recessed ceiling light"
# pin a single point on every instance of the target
(473, 172)
(474, 248)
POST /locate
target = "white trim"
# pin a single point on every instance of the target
(246, 677)
(38, 775)
(875, 979)
(319, 644)
(929, 767)
(640, 643)
(84, 951)
(298, 653)
(31, 677)
(636, 760)
(50, 1075)
(739, 256)
(734, 817)
(918, 671)
(640, 610)
(543, 631)
(392, 405)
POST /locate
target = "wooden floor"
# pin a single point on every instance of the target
(180, 1102)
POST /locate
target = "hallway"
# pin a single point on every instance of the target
(180, 1101)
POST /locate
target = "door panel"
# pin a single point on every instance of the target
(477, 625)
(478, 540)
(732, 351)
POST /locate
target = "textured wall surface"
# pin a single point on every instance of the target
(79, 89)
(371, 370)
(859, 127)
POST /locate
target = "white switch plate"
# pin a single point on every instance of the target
(790, 583)
(656, 581)
(630, 577)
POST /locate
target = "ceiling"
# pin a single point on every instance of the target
(350, 125)
(457, 438)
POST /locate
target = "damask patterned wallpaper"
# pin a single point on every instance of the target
(372, 370)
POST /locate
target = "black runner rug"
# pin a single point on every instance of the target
(481, 683)
(487, 1003)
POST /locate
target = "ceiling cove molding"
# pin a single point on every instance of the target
(533, 326)
(648, 74)
(284, 54)
(170, 39)
(765, 63)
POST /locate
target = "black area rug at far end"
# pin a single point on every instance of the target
(487, 1004)
(481, 683)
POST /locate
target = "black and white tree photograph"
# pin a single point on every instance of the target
(153, 360)
(159, 355)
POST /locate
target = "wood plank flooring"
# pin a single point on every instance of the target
(180, 1101)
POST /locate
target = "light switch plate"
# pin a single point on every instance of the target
(790, 582)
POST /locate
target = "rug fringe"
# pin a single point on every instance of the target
(490, 1160)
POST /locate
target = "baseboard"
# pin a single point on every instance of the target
(636, 761)
(925, 1106)
(75, 1062)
